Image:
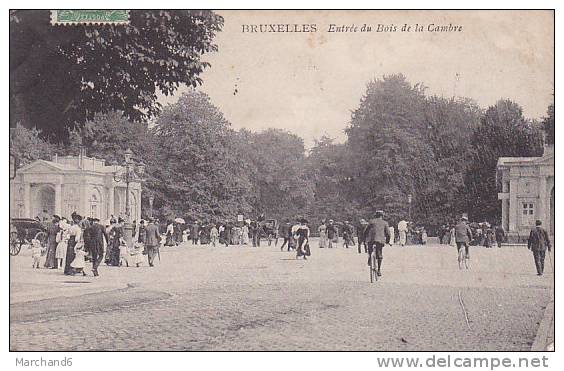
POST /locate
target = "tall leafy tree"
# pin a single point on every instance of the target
(385, 139)
(502, 132)
(277, 172)
(62, 76)
(197, 165)
(450, 124)
(28, 146)
(548, 125)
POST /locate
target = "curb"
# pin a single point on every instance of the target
(541, 339)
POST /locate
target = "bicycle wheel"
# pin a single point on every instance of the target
(374, 266)
(461, 257)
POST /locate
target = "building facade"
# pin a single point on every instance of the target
(527, 193)
(72, 183)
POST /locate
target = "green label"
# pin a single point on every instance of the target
(89, 16)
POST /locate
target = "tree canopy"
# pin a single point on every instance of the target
(61, 76)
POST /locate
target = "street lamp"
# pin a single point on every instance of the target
(151, 199)
(129, 172)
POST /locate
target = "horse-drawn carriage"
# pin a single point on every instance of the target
(23, 230)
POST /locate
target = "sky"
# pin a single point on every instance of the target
(308, 83)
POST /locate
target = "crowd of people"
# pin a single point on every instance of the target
(73, 242)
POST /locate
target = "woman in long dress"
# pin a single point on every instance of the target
(322, 235)
(62, 241)
(302, 235)
(75, 233)
(245, 234)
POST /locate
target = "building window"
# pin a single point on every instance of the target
(528, 214)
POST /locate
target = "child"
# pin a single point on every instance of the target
(78, 263)
(36, 252)
(136, 254)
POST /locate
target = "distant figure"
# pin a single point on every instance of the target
(52, 232)
(195, 232)
(331, 234)
(538, 243)
(499, 235)
(463, 236)
(392, 235)
(152, 241)
(402, 230)
(322, 235)
(214, 235)
(36, 252)
(377, 235)
(361, 235)
(348, 233)
(44, 216)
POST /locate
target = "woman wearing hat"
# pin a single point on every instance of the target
(75, 233)
(302, 235)
(322, 235)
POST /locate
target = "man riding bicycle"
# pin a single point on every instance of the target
(463, 236)
(376, 236)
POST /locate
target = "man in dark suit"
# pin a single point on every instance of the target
(538, 243)
(152, 241)
(361, 231)
(97, 234)
(376, 236)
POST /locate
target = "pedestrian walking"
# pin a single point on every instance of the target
(331, 234)
(245, 234)
(62, 240)
(377, 235)
(195, 232)
(538, 243)
(152, 241)
(52, 232)
(348, 233)
(361, 235)
(392, 235)
(98, 236)
(402, 230)
(75, 234)
(499, 235)
(214, 235)
(322, 235)
(302, 236)
(79, 263)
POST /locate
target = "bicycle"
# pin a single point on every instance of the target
(373, 267)
(462, 258)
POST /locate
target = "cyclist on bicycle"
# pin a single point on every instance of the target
(463, 236)
(376, 236)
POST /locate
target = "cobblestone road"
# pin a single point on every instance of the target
(202, 298)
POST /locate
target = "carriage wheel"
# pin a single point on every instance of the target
(42, 236)
(15, 245)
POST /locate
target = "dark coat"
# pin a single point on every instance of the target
(538, 239)
(377, 231)
(153, 238)
(96, 236)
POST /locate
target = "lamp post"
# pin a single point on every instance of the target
(409, 199)
(151, 200)
(129, 172)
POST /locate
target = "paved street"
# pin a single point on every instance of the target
(202, 298)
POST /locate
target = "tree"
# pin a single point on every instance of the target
(62, 76)
(390, 159)
(450, 123)
(277, 172)
(503, 132)
(197, 165)
(328, 171)
(27, 145)
(548, 125)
